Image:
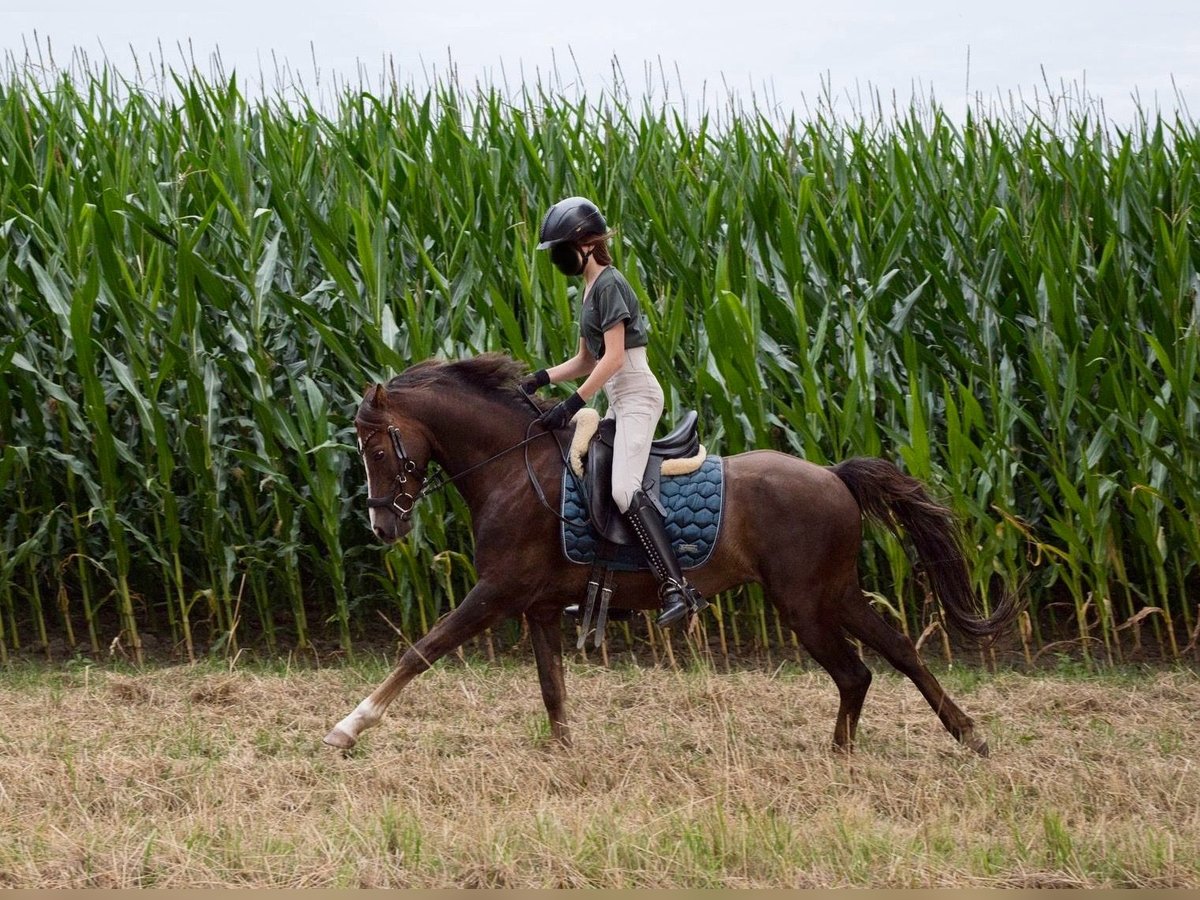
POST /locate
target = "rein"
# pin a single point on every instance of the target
(442, 480)
(537, 487)
(408, 466)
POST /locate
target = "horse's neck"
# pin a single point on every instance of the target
(469, 434)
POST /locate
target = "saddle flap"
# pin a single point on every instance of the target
(602, 509)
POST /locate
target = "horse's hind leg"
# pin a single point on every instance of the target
(831, 649)
(545, 633)
(828, 646)
(862, 621)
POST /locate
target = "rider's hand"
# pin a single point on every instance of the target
(534, 380)
(558, 416)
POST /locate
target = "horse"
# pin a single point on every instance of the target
(789, 525)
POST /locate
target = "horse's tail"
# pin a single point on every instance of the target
(887, 495)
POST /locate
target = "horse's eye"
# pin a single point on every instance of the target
(378, 455)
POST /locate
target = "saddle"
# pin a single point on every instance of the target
(606, 519)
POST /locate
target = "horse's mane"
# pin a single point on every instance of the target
(491, 375)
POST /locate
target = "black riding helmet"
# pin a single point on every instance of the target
(566, 223)
(570, 220)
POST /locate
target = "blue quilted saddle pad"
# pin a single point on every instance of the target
(693, 504)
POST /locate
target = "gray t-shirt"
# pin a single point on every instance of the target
(611, 300)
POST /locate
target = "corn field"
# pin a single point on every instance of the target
(196, 284)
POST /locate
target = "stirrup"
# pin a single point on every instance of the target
(687, 602)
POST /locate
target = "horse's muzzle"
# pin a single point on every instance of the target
(389, 528)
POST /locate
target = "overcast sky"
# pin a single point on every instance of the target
(781, 50)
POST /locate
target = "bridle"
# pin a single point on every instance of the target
(408, 466)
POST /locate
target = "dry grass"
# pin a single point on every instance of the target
(199, 777)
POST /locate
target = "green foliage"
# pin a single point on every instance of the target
(196, 286)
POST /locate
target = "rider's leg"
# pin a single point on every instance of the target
(637, 400)
(679, 597)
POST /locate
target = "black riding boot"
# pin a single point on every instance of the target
(678, 596)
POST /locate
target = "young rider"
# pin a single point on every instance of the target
(612, 356)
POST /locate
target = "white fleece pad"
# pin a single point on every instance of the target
(587, 420)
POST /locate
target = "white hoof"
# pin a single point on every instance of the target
(339, 739)
(345, 733)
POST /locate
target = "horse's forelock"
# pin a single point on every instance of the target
(369, 415)
(372, 409)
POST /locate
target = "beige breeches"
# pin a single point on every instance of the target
(635, 399)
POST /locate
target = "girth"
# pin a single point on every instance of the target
(606, 519)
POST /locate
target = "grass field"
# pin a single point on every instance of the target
(202, 776)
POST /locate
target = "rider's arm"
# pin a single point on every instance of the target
(607, 365)
(579, 365)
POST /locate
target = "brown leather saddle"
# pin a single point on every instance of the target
(605, 518)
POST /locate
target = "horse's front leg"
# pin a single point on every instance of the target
(480, 609)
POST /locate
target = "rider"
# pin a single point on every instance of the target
(612, 356)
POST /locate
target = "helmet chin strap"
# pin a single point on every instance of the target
(583, 260)
(570, 260)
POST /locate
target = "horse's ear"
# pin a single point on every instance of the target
(378, 395)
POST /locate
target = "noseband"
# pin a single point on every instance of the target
(408, 466)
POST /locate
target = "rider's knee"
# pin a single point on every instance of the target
(622, 495)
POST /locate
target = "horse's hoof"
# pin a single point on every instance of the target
(340, 739)
(975, 741)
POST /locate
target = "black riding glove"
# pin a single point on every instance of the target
(534, 380)
(558, 416)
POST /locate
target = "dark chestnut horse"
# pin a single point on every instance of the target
(791, 526)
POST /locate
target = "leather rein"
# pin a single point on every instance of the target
(402, 501)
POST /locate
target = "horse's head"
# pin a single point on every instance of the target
(395, 452)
